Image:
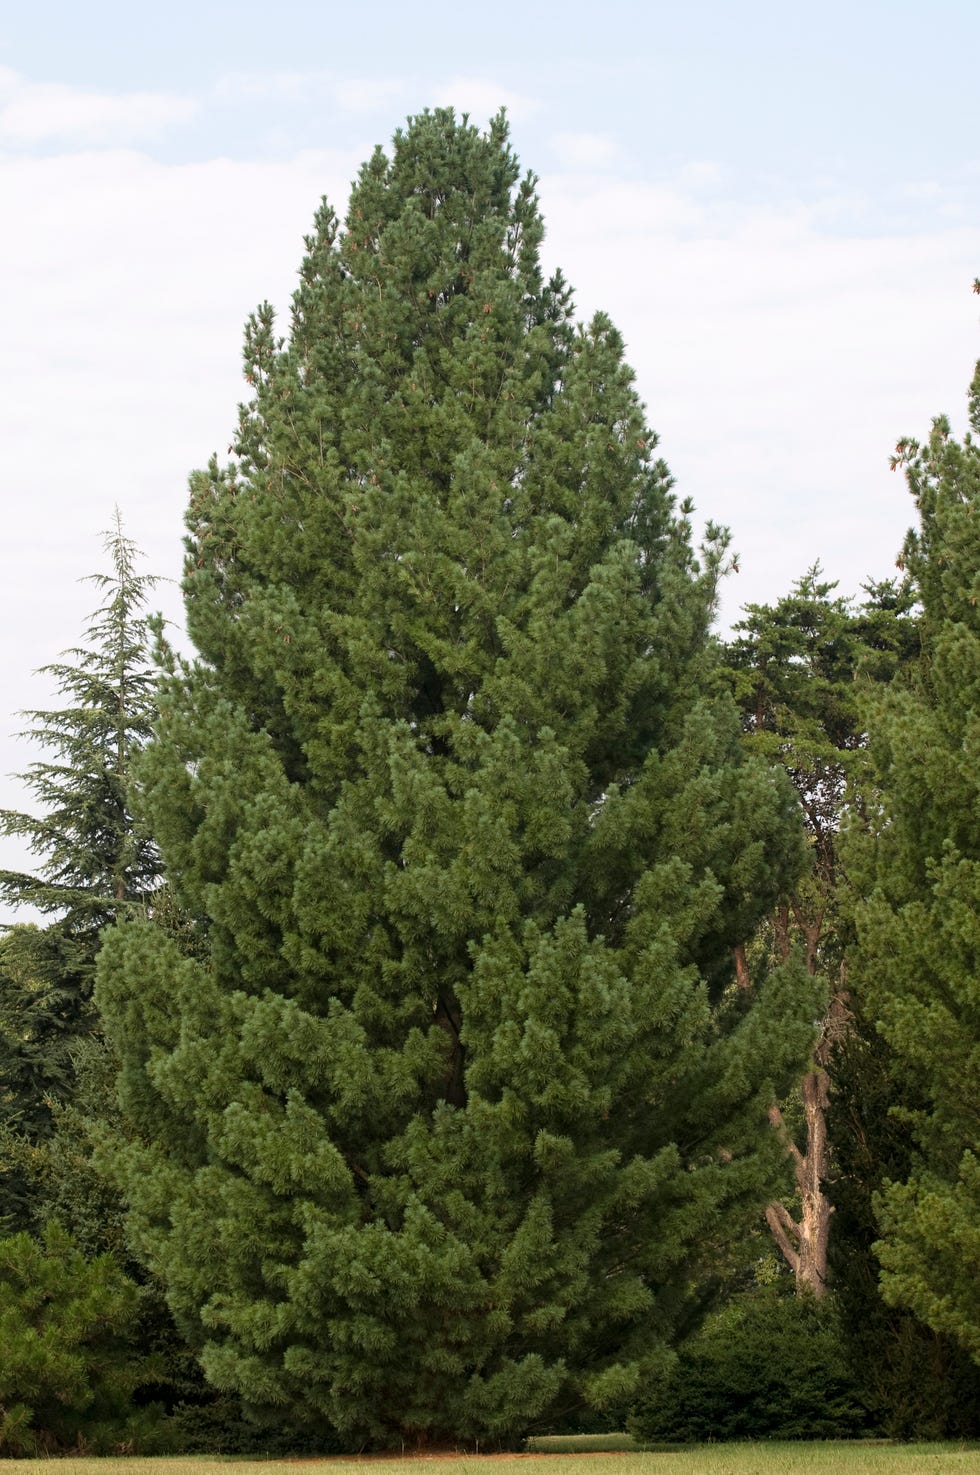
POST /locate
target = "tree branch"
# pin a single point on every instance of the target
(776, 1118)
(779, 1220)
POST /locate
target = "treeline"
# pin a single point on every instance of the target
(471, 999)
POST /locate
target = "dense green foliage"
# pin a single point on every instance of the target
(801, 670)
(915, 1382)
(40, 1019)
(769, 1366)
(463, 1109)
(919, 933)
(70, 1364)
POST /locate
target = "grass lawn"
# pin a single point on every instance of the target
(706, 1459)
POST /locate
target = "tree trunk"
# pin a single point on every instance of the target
(804, 1242)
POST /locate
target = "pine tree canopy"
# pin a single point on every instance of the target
(437, 1140)
(801, 671)
(920, 932)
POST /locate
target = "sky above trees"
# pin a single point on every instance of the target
(777, 210)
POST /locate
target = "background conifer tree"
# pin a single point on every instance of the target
(919, 933)
(806, 672)
(916, 1383)
(799, 670)
(92, 857)
(464, 1107)
(94, 862)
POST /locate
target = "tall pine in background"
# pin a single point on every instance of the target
(464, 1108)
(792, 667)
(919, 933)
(93, 860)
(800, 670)
(808, 672)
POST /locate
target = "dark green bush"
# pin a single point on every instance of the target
(220, 1426)
(768, 1366)
(70, 1364)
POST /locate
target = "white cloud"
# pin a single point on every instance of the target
(585, 150)
(363, 95)
(701, 174)
(779, 361)
(239, 87)
(350, 94)
(920, 190)
(34, 112)
(483, 98)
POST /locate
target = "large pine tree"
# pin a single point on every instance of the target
(919, 933)
(464, 1106)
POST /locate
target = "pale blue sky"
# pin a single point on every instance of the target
(871, 96)
(777, 205)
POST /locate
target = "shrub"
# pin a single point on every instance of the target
(767, 1366)
(70, 1364)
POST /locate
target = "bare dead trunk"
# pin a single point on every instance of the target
(804, 1242)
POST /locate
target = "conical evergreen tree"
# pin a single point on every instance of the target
(919, 934)
(464, 1106)
(93, 857)
(94, 861)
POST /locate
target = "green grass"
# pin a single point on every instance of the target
(706, 1459)
(579, 1444)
